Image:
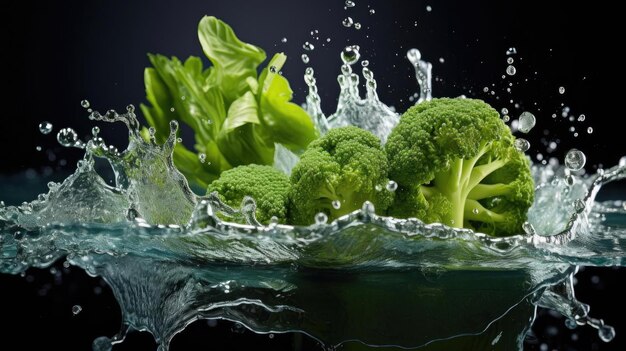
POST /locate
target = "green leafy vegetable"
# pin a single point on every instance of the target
(236, 115)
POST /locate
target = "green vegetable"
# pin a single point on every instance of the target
(455, 163)
(236, 115)
(266, 185)
(346, 165)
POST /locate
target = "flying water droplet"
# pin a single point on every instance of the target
(429, 8)
(521, 144)
(622, 161)
(357, 26)
(575, 160)
(45, 127)
(76, 309)
(510, 60)
(347, 22)
(67, 137)
(581, 118)
(391, 186)
(336, 204)
(606, 333)
(350, 3)
(510, 70)
(526, 122)
(305, 58)
(283, 40)
(321, 218)
(589, 130)
(365, 63)
(308, 46)
(202, 157)
(561, 90)
(511, 51)
(85, 103)
(372, 11)
(350, 54)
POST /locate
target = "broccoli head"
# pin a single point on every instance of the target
(456, 164)
(266, 185)
(337, 173)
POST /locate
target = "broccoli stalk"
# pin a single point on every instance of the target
(456, 163)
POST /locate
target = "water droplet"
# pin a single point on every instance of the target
(526, 122)
(95, 131)
(561, 90)
(575, 160)
(368, 208)
(589, 130)
(510, 60)
(357, 26)
(521, 144)
(38, 148)
(76, 309)
(350, 54)
(511, 51)
(202, 157)
(475, 211)
(506, 118)
(85, 103)
(305, 58)
(372, 11)
(45, 127)
(581, 118)
(391, 186)
(283, 40)
(350, 3)
(308, 46)
(570, 180)
(273, 69)
(336, 204)
(510, 70)
(67, 137)
(365, 63)
(571, 323)
(606, 333)
(378, 187)
(429, 8)
(347, 22)
(321, 218)
(172, 109)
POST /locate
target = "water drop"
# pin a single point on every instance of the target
(571, 323)
(202, 157)
(350, 54)
(526, 122)
(575, 160)
(475, 211)
(308, 46)
(283, 40)
(336, 204)
(365, 63)
(372, 11)
(570, 180)
(305, 58)
(581, 118)
(321, 218)
(521, 144)
(506, 118)
(67, 137)
(38, 148)
(589, 130)
(391, 186)
(511, 51)
(510, 60)
(606, 333)
(357, 26)
(45, 127)
(429, 8)
(84, 103)
(510, 70)
(347, 22)
(504, 111)
(350, 3)
(76, 309)
(561, 90)
(95, 131)
(273, 69)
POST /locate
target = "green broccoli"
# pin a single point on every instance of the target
(337, 174)
(266, 185)
(456, 164)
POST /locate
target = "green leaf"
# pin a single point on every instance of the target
(232, 59)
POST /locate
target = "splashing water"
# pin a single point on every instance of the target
(171, 260)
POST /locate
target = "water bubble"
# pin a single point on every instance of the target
(365, 63)
(283, 40)
(350, 3)
(372, 11)
(581, 118)
(526, 122)
(391, 186)
(510, 60)
(510, 70)
(273, 69)
(84, 103)
(76, 309)
(511, 51)
(521, 144)
(321, 218)
(429, 8)
(561, 90)
(606, 333)
(575, 160)
(350, 54)
(357, 26)
(45, 127)
(347, 22)
(305, 58)
(308, 46)
(202, 157)
(589, 130)
(67, 137)
(336, 204)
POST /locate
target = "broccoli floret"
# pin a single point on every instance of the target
(455, 162)
(345, 167)
(266, 185)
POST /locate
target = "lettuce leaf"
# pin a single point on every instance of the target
(236, 115)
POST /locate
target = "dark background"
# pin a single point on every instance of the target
(54, 54)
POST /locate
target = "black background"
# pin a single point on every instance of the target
(55, 54)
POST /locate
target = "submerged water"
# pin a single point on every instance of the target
(364, 280)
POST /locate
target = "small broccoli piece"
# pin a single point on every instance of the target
(455, 162)
(266, 185)
(347, 166)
